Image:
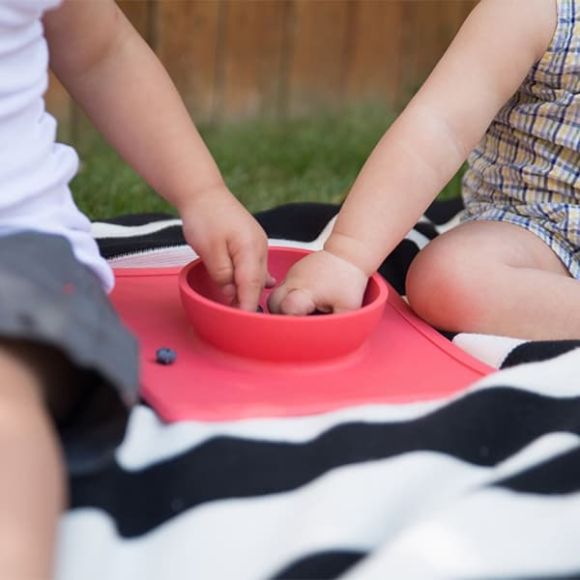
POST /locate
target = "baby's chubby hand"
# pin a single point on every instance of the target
(319, 282)
(231, 243)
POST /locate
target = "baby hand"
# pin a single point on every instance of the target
(231, 243)
(319, 282)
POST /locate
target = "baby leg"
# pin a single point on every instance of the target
(495, 278)
(32, 485)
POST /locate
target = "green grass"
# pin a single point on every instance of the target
(265, 163)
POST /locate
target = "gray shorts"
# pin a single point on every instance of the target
(47, 297)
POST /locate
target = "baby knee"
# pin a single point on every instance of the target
(444, 289)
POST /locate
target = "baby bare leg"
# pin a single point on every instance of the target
(495, 278)
(32, 485)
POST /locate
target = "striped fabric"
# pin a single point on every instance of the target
(485, 484)
(526, 169)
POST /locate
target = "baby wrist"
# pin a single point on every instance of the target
(194, 195)
(351, 251)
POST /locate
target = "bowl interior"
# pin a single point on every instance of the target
(275, 338)
(280, 261)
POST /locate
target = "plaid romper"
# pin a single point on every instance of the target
(526, 169)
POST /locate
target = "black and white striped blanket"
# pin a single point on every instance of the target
(485, 484)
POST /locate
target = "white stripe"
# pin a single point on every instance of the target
(174, 256)
(417, 238)
(557, 377)
(105, 230)
(490, 349)
(494, 533)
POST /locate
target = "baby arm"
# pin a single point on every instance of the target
(126, 92)
(486, 63)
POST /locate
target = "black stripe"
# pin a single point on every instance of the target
(448, 334)
(483, 428)
(321, 566)
(426, 229)
(441, 211)
(394, 268)
(538, 351)
(164, 238)
(301, 222)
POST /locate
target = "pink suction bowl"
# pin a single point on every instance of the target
(234, 365)
(271, 337)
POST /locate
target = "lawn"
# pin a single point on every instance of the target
(265, 163)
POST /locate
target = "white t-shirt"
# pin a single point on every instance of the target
(35, 170)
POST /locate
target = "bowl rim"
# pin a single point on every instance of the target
(185, 289)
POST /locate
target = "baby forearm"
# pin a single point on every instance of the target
(408, 168)
(130, 98)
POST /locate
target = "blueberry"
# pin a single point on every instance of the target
(165, 356)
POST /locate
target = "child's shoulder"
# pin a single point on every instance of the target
(525, 27)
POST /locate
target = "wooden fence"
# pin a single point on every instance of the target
(233, 59)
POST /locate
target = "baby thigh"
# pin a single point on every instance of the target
(32, 486)
(490, 277)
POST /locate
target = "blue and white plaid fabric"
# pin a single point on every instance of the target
(526, 169)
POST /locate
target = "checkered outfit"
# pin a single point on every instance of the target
(526, 169)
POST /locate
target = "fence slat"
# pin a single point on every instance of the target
(316, 73)
(374, 67)
(253, 40)
(429, 29)
(187, 35)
